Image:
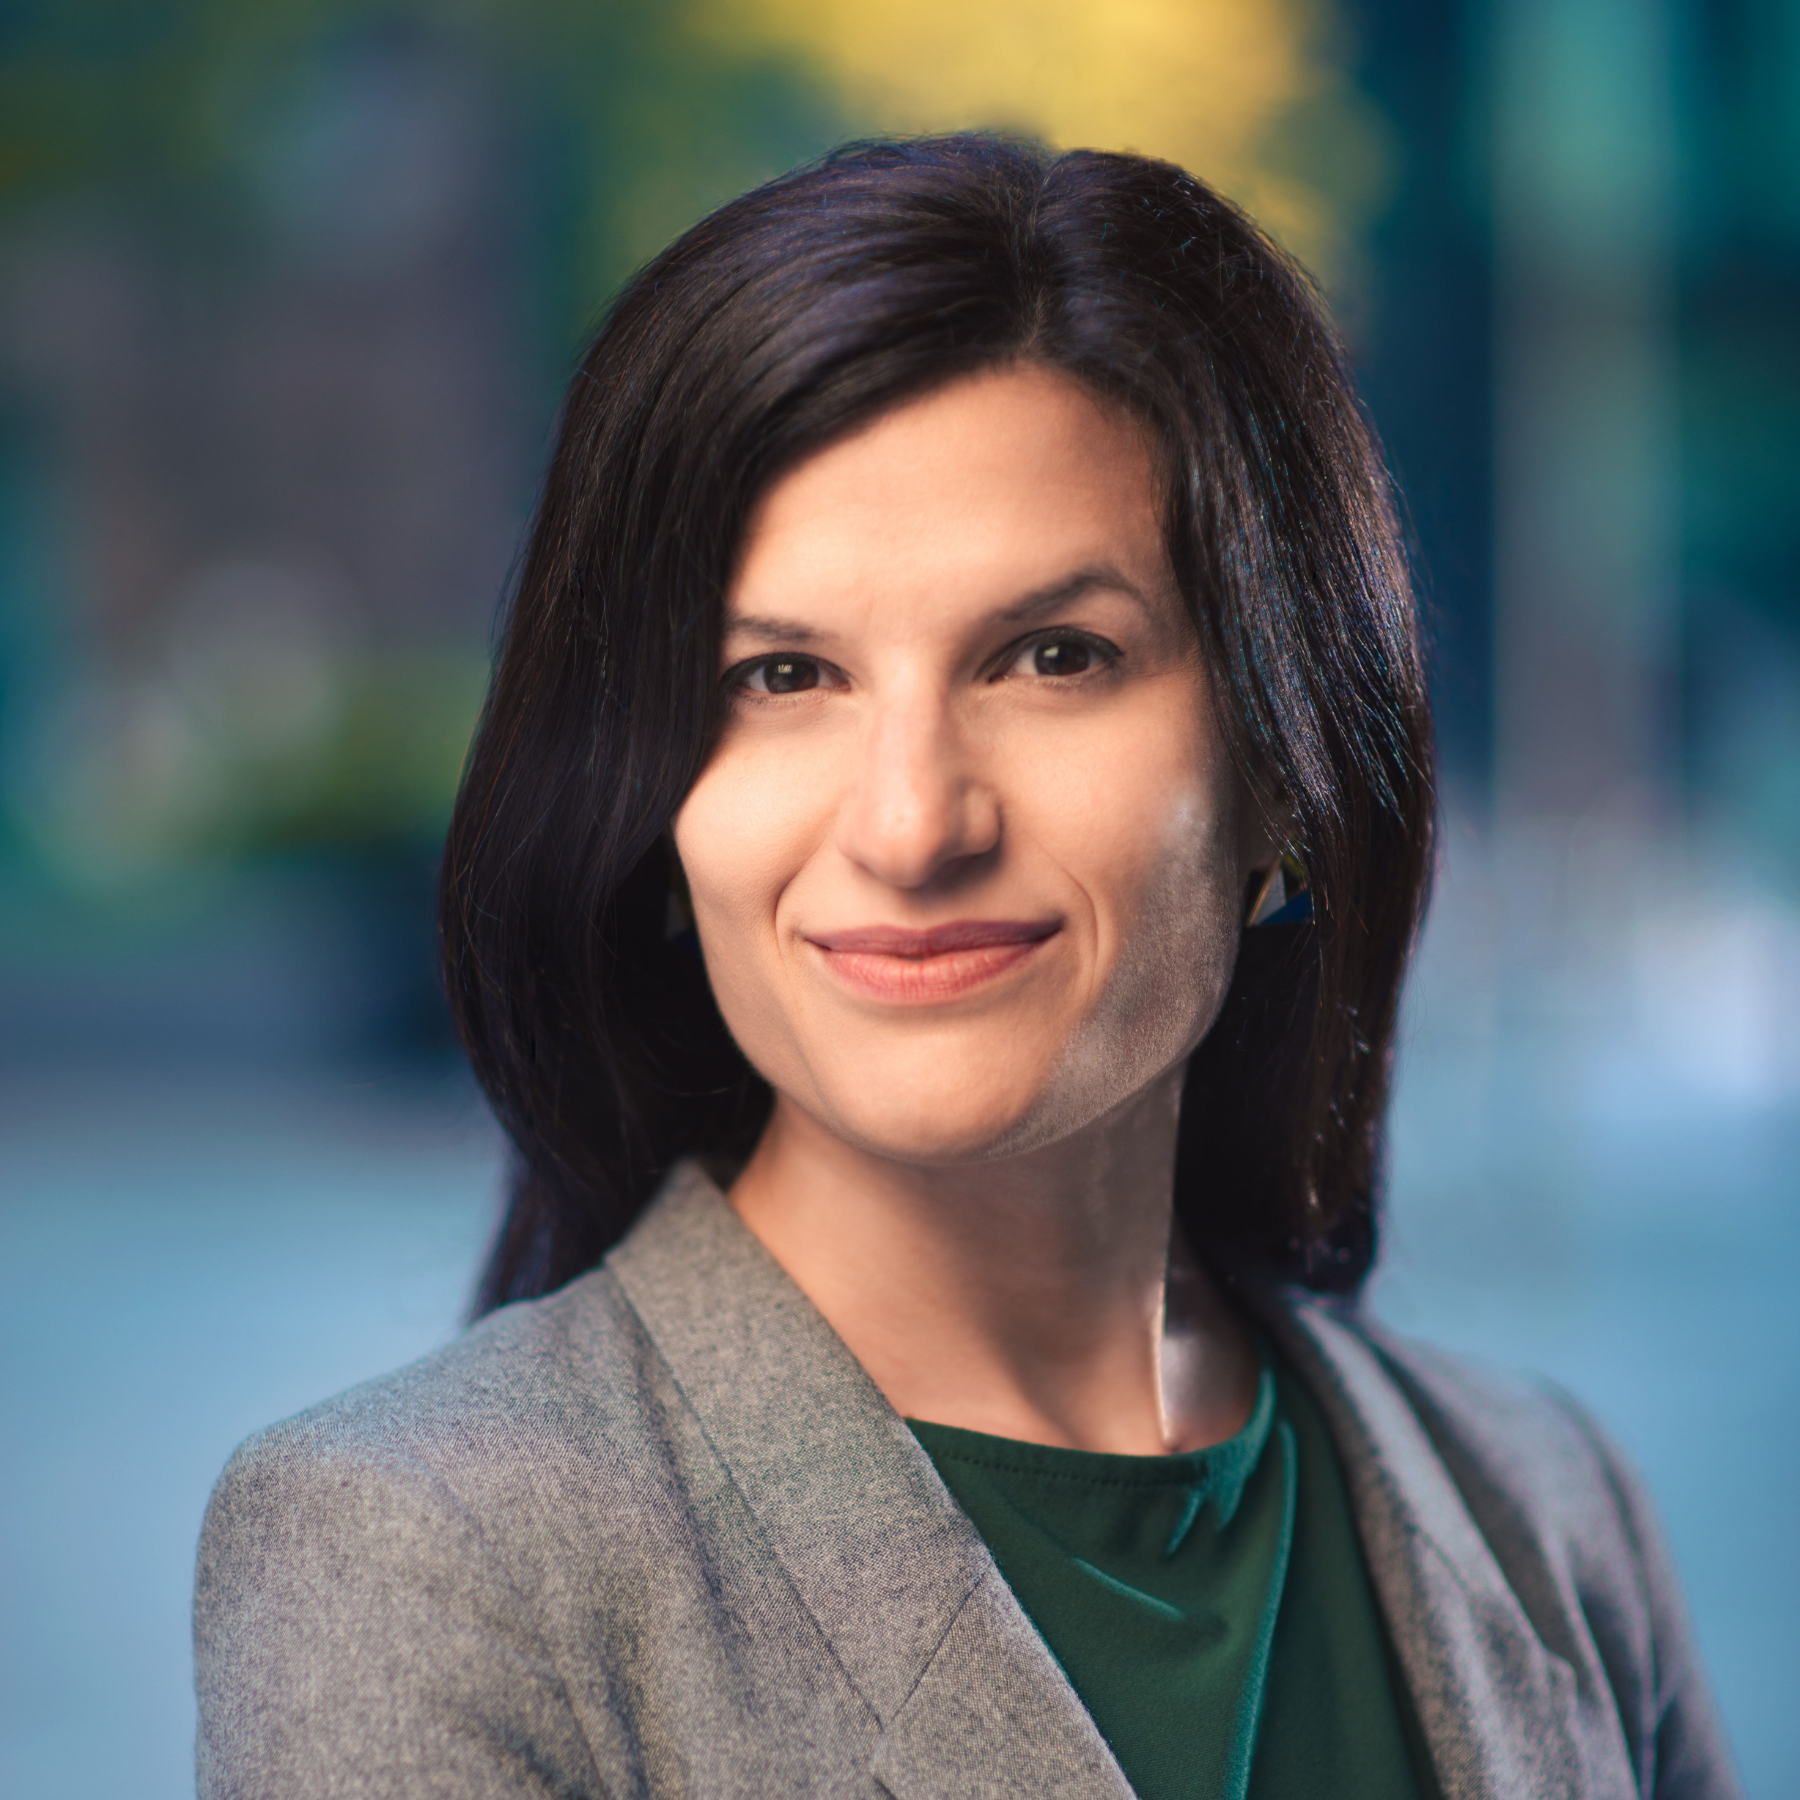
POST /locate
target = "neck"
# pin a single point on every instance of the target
(1030, 1297)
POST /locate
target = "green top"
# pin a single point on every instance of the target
(1212, 1610)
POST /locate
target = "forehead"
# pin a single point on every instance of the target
(995, 484)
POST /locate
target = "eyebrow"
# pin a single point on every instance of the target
(1023, 611)
(1086, 580)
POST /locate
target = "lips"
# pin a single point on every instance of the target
(893, 963)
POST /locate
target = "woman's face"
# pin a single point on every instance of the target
(967, 860)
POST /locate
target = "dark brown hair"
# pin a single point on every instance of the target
(772, 327)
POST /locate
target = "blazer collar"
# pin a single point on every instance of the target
(902, 1587)
(1498, 1708)
(897, 1579)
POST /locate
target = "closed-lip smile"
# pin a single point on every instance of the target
(919, 967)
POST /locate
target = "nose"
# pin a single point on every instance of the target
(917, 809)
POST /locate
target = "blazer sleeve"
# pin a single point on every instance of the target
(1689, 1757)
(356, 1635)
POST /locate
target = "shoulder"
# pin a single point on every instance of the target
(487, 1431)
(1525, 1456)
(1556, 1501)
(387, 1555)
(1523, 1443)
(1575, 1535)
(457, 1422)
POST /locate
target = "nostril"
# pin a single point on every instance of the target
(912, 840)
(918, 805)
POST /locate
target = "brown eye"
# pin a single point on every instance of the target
(783, 675)
(1062, 656)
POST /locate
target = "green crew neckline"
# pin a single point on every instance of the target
(1226, 1651)
(1217, 1473)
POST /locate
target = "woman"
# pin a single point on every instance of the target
(928, 901)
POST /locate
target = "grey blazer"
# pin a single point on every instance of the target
(658, 1534)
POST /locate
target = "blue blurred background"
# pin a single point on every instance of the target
(287, 293)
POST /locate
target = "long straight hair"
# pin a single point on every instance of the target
(774, 326)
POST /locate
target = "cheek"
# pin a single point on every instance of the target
(1175, 912)
(1148, 824)
(1149, 831)
(742, 834)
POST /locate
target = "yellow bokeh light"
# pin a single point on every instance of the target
(1208, 84)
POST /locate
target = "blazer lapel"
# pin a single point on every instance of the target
(896, 1577)
(1498, 1709)
(993, 1716)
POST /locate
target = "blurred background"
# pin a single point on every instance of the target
(287, 295)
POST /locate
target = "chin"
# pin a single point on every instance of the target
(982, 1106)
(932, 1108)
(934, 1138)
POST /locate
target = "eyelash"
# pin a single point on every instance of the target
(738, 676)
(1107, 654)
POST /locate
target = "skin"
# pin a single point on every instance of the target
(967, 865)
